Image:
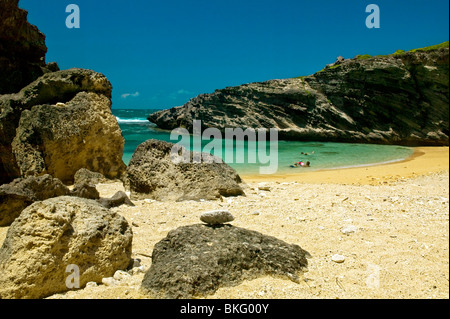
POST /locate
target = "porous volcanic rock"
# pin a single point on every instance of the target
(152, 173)
(85, 175)
(51, 235)
(59, 124)
(196, 260)
(85, 190)
(22, 192)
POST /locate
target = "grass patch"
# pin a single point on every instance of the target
(363, 57)
(432, 47)
(334, 66)
(398, 52)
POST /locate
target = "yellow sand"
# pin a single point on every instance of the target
(424, 161)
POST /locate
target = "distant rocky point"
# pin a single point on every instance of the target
(402, 99)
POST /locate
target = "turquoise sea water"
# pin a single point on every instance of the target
(137, 129)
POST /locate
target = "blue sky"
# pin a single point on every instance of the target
(159, 54)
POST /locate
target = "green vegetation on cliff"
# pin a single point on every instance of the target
(396, 53)
(432, 47)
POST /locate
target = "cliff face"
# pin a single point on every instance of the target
(397, 99)
(51, 122)
(22, 48)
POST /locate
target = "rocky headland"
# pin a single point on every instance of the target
(401, 98)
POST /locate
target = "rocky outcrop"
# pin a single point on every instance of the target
(56, 233)
(396, 99)
(58, 124)
(118, 199)
(85, 190)
(153, 173)
(22, 192)
(51, 121)
(196, 260)
(22, 48)
(86, 176)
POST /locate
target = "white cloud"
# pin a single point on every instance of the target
(124, 96)
(183, 91)
(176, 94)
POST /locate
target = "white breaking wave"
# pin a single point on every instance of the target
(135, 120)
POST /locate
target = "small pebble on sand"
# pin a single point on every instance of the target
(338, 258)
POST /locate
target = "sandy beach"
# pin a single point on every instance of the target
(423, 161)
(389, 222)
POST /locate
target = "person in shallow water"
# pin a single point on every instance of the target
(301, 164)
(306, 154)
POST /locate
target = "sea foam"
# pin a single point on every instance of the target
(132, 120)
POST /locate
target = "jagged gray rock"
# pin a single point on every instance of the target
(151, 173)
(49, 236)
(196, 260)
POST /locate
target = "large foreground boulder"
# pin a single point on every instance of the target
(153, 173)
(56, 233)
(195, 260)
(22, 192)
